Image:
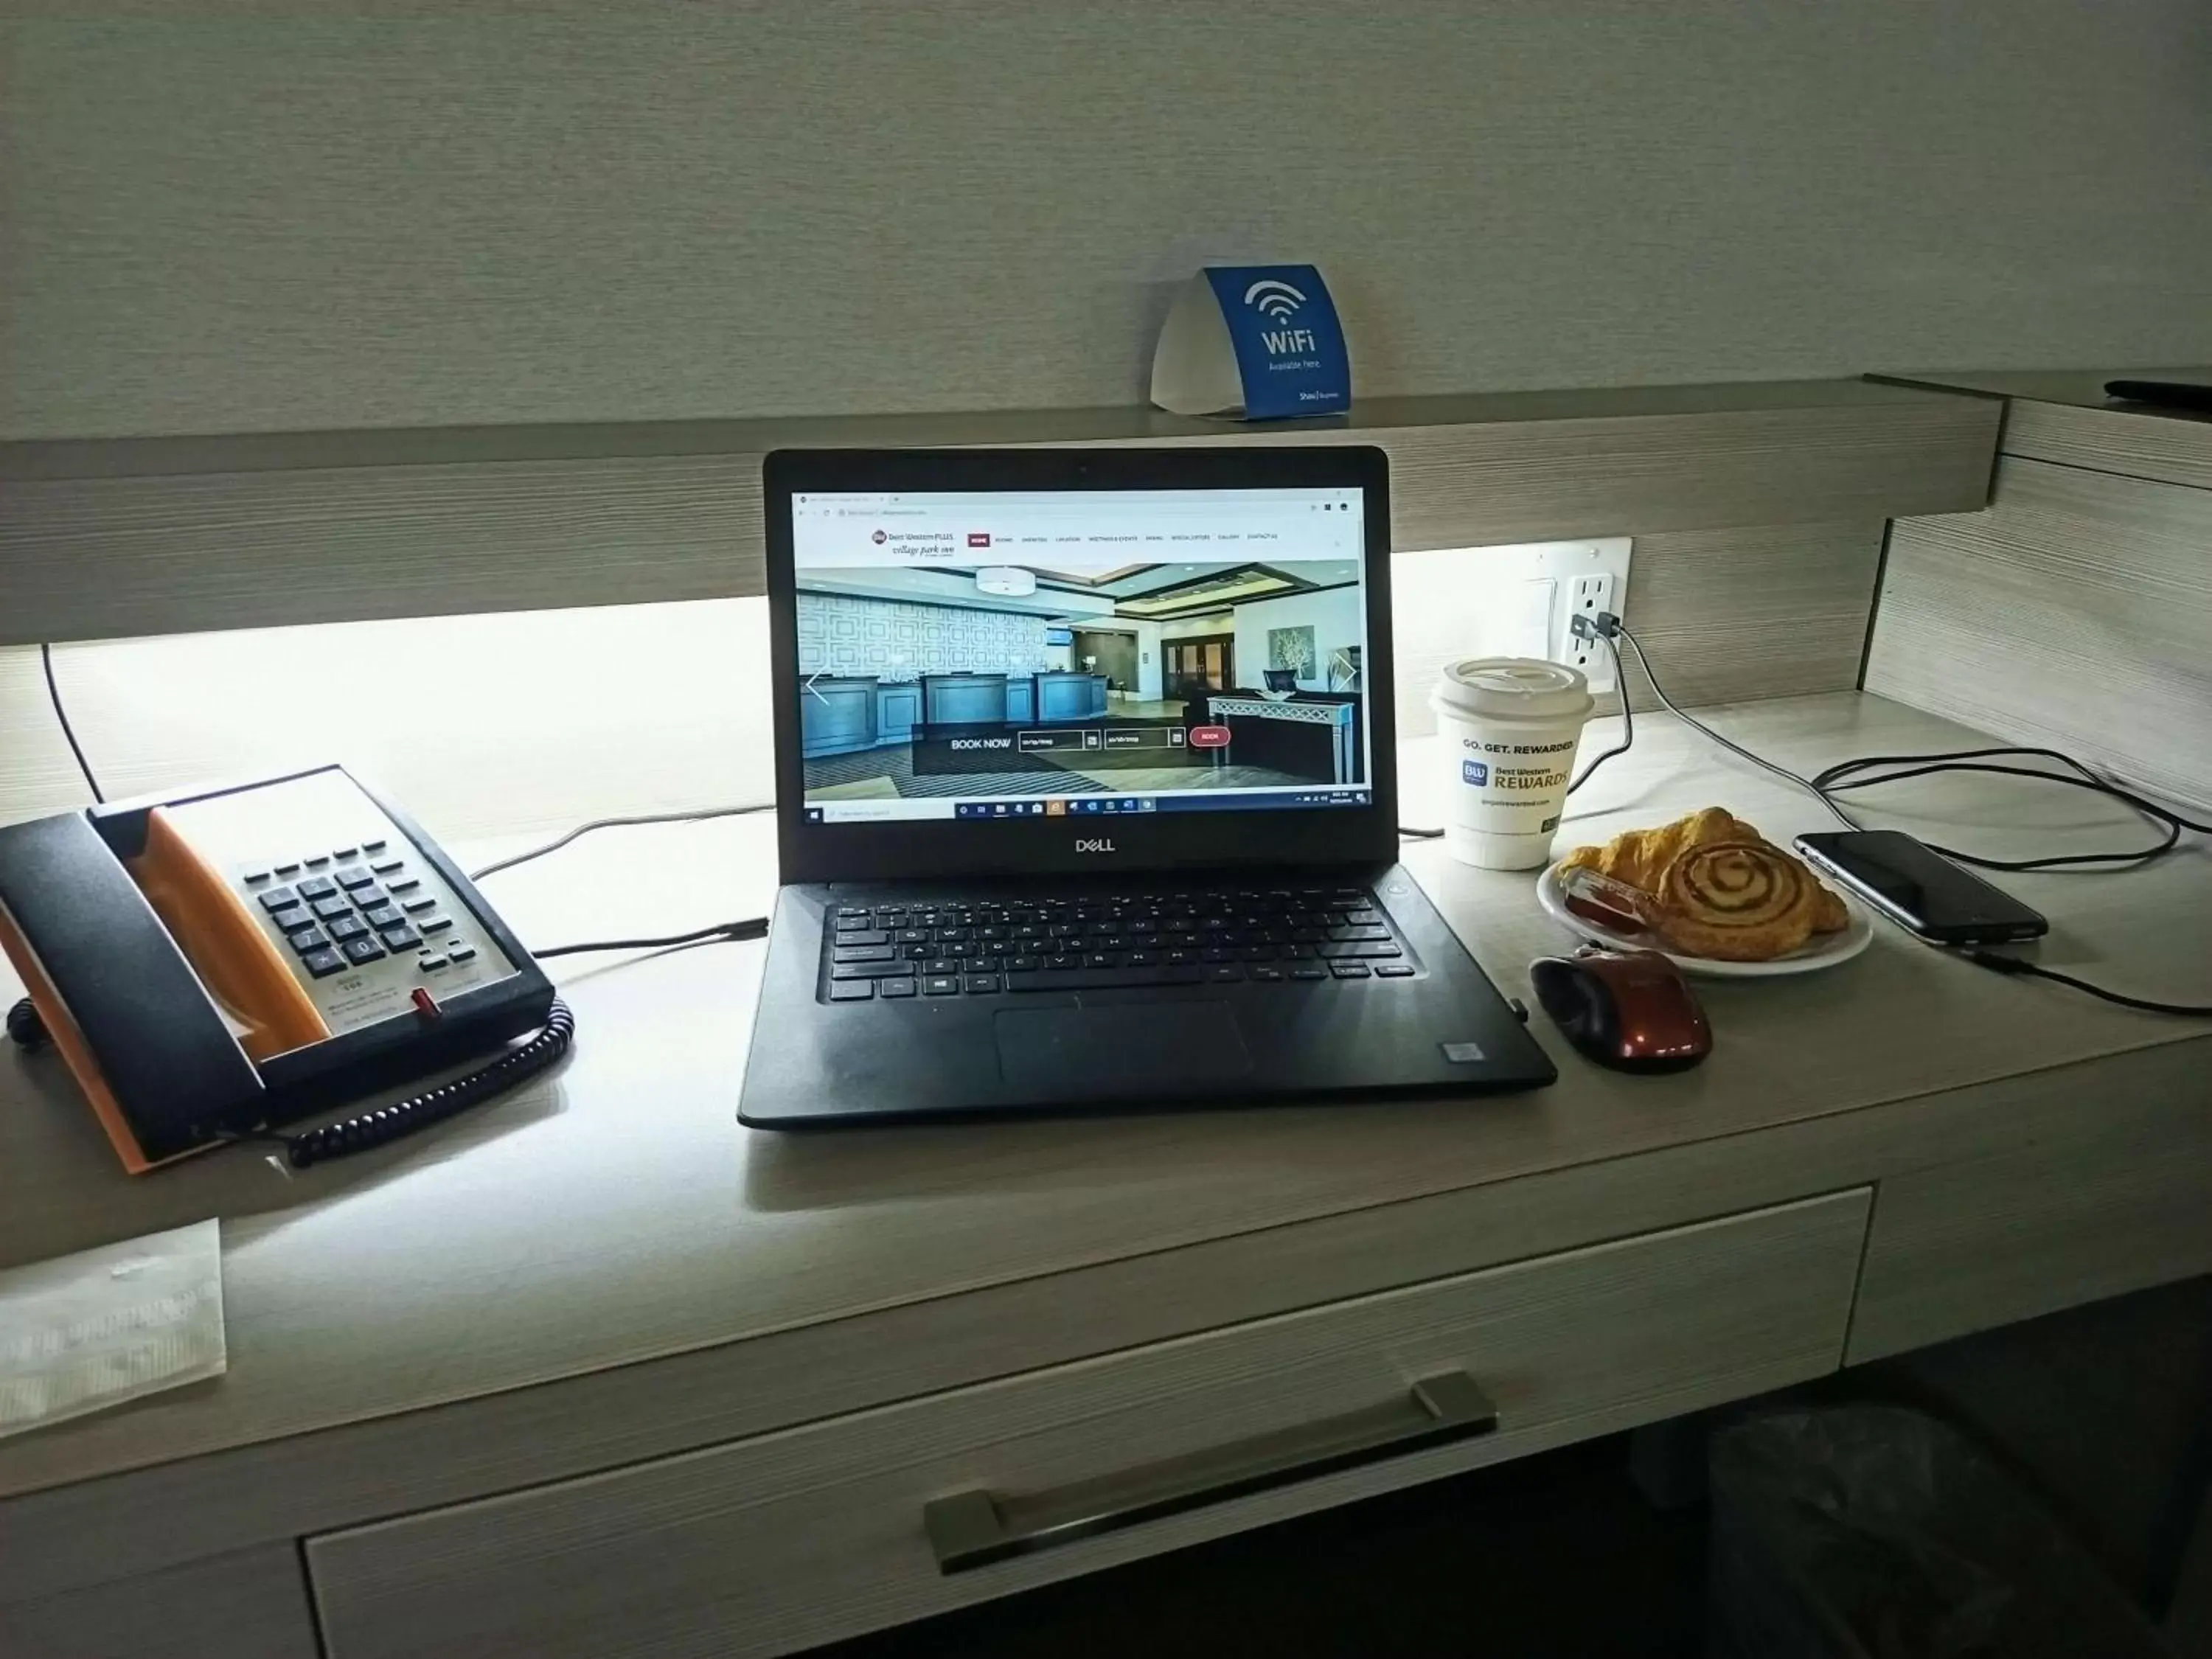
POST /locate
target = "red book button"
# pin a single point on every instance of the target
(1209, 737)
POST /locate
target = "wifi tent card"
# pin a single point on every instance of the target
(1263, 341)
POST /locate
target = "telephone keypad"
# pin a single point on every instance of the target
(368, 907)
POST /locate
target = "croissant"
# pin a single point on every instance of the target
(1640, 857)
(1738, 900)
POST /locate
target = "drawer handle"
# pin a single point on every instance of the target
(974, 1528)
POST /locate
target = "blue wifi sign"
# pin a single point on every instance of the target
(1290, 346)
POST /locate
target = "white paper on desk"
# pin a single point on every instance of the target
(88, 1331)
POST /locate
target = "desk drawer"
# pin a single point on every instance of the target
(795, 1538)
(2093, 1198)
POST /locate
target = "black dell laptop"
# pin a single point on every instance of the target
(1086, 793)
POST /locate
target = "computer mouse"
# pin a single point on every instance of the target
(1630, 1010)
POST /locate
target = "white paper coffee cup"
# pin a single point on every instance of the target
(1508, 728)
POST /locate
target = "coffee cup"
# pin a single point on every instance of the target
(1508, 728)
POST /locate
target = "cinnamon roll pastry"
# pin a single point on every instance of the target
(1738, 900)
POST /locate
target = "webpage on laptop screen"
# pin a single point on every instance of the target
(1082, 653)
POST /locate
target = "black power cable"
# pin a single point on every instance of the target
(751, 928)
(1627, 726)
(61, 715)
(1843, 775)
(2036, 970)
(1627, 715)
(556, 845)
(1868, 771)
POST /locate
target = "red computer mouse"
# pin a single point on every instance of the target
(1630, 1010)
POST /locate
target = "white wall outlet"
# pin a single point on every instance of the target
(1586, 597)
(1596, 580)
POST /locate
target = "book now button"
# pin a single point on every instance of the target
(1209, 737)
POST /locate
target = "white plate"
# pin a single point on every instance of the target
(1822, 950)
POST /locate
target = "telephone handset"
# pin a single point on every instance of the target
(222, 963)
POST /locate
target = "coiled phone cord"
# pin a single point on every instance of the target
(403, 1117)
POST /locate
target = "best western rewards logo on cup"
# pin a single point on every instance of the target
(1263, 341)
(1510, 725)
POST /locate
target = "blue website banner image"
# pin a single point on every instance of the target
(1290, 345)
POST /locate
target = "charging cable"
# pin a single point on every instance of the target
(1868, 771)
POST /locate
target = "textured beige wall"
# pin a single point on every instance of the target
(277, 215)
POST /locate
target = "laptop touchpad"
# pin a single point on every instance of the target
(1063, 1052)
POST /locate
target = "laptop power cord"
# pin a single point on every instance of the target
(749, 928)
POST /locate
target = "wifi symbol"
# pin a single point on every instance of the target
(1276, 299)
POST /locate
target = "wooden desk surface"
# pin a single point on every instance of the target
(618, 1213)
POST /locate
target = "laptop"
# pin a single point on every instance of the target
(1087, 796)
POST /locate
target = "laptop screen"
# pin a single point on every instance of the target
(1079, 653)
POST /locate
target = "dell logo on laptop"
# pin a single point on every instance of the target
(1105, 845)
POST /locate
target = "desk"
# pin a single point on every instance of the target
(594, 1369)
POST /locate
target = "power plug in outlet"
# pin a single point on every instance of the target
(1587, 595)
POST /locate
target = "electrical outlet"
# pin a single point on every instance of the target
(1586, 597)
(1594, 578)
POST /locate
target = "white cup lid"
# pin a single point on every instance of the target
(1512, 689)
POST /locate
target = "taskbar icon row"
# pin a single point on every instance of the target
(1076, 806)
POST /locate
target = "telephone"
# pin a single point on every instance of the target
(214, 964)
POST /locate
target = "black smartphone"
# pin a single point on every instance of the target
(1915, 885)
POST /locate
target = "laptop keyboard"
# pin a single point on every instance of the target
(1092, 941)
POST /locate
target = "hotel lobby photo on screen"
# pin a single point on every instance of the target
(1072, 654)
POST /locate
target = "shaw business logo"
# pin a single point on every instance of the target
(1085, 844)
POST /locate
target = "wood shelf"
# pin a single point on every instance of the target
(106, 538)
(2063, 416)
